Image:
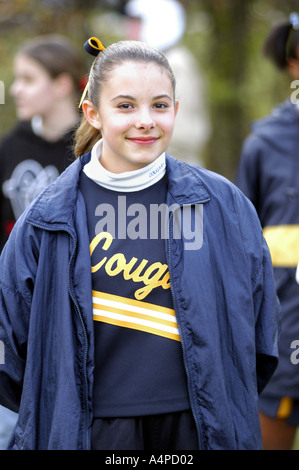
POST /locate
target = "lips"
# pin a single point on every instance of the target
(148, 140)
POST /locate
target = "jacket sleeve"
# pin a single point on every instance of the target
(266, 306)
(267, 317)
(247, 175)
(15, 294)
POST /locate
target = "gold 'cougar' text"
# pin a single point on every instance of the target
(155, 275)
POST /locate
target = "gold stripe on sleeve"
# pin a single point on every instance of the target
(283, 242)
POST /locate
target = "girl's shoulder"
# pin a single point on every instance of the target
(195, 178)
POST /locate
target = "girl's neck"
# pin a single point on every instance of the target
(56, 123)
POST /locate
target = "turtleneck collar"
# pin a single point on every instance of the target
(128, 181)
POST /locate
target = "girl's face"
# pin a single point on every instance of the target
(33, 88)
(136, 116)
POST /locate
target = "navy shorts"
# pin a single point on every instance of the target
(170, 431)
(281, 408)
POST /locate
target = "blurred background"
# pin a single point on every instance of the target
(234, 83)
(224, 36)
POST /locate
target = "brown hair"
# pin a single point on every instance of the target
(281, 44)
(57, 56)
(104, 64)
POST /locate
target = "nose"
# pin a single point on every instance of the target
(144, 119)
(15, 88)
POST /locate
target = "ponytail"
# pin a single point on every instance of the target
(275, 45)
(282, 41)
(85, 138)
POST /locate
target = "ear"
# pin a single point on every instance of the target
(91, 114)
(176, 107)
(64, 85)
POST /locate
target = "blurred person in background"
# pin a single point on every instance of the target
(162, 24)
(46, 89)
(268, 174)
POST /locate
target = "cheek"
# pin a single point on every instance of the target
(116, 125)
(167, 124)
(38, 101)
(41, 90)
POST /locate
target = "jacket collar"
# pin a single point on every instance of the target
(56, 205)
(184, 183)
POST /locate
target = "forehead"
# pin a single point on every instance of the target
(24, 64)
(137, 76)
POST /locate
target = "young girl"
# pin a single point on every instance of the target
(268, 175)
(137, 303)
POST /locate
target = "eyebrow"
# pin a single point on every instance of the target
(129, 97)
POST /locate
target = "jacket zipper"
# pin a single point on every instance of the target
(85, 338)
(198, 426)
(87, 437)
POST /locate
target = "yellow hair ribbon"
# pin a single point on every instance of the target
(93, 46)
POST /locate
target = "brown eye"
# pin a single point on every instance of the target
(125, 106)
(161, 105)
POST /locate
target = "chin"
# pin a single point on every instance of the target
(143, 163)
(147, 159)
(23, 116)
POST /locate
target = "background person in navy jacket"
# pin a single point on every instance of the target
(268, 174)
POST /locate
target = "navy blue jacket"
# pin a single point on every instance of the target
(223, 294)
(268, 174)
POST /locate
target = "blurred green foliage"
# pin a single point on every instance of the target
(226, 37)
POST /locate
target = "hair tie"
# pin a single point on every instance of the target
(294, 26)
(294, 20)
(94, 46)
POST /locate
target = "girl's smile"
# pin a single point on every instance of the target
(136, 115)
(143, 140)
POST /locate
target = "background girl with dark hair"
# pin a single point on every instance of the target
(46, 88)
(268, 174)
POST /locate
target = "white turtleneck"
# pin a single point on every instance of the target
(128, 181)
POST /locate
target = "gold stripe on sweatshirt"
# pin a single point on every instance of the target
(134, 314)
